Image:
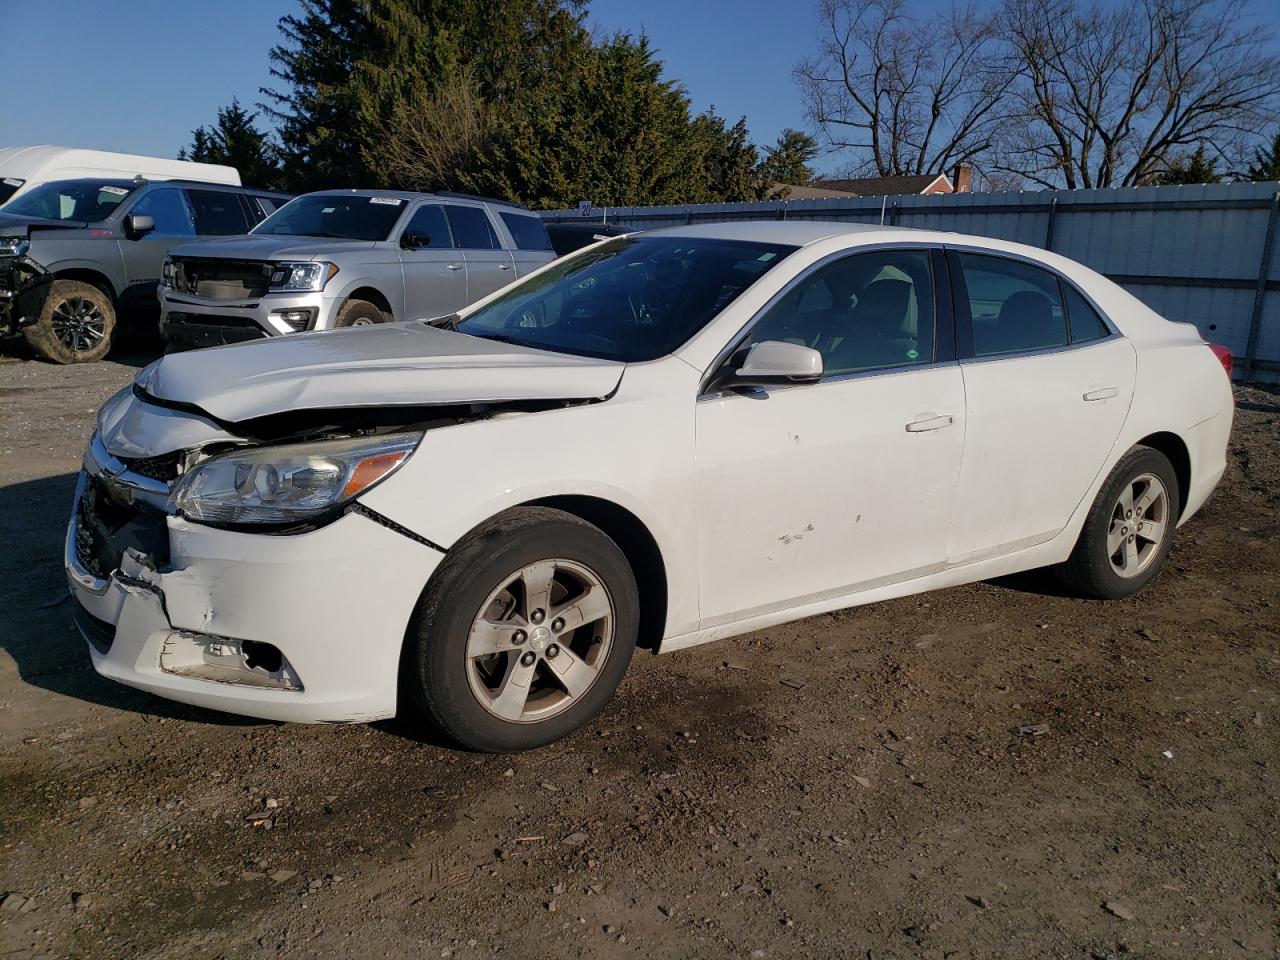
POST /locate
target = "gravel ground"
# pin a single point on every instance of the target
(853, 785)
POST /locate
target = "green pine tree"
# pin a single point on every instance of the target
(1266, 161)
(1195, 167)
(235, 141)
(788, 161)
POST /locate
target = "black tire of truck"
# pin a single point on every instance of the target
(75, 324)
(359, 313)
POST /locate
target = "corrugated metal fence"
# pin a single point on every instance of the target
(1202, 254)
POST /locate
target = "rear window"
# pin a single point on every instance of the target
(527, 232)
(217, 214)
(471, 228)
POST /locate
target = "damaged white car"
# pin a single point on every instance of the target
(662, 440)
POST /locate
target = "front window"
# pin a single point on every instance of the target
(635, 298)
(89, 201)
(336, 216)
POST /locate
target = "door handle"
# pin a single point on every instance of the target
(455, 266)
(1103, 393)
(504, 266)
(930, 423)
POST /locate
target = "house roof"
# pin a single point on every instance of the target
(882, 186)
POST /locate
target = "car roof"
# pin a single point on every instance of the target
(409, 195)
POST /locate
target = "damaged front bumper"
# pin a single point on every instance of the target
(304, 627)
(22, 285)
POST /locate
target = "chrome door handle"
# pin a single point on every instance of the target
(1103, 393)
(930, 423)
(455, 266)
(504, 266)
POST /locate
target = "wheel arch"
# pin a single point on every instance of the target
(94, 278)
(372, 295)
(1176, 452)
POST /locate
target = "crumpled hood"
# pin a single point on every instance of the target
(271, 248)
(394, 364)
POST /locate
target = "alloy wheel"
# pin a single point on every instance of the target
(1139, 525)
(78, 324)
(540, 641)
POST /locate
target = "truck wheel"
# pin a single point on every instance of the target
(359, 313)
(75, 324)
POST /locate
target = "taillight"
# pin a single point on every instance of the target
(1224, 357)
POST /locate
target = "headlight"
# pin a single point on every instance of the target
(305, 276)
(273, 485)
(14, 246)
(168, 273)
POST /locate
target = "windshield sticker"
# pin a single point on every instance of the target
(114, 191)
(13, 182)
(766, 257)
(393, 201)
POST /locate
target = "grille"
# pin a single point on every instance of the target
(163, 468)
(106, 527)
(221, 279)
(214, 320)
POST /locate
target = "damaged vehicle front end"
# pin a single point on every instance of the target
(23, 282)
(219, 548)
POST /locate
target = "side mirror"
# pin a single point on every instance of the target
(138, 225)
(776, 363)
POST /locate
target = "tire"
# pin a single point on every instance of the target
(359, 313)
(469, 695)
(75, 324)
(1093, 569)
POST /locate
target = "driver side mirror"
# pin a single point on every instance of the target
(138, 225)
(776, 363)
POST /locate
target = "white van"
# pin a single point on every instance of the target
(23, 167)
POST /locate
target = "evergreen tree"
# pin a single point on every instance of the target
(732, 161)
(1266, 162)
(1195, 167)
(788, 161)
(235, 141)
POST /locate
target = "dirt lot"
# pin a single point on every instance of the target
(853, 785)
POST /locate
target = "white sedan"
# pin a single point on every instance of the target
(662, 440)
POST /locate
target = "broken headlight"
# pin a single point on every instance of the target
(14, 246)
(290, 484)
(305, 276)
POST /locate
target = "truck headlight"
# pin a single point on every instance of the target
(14, 246)
(306, 276)
(288, 484)
(168, 272)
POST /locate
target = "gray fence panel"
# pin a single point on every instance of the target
(1191, 253)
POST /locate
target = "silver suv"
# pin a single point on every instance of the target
(76, 255)
(345, 258)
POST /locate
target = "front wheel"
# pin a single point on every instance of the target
(74, 325)
(524, 633)
(1129, 530)
(359, 313)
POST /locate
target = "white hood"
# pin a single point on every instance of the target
(394, 364)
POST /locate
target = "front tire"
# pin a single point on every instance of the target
(359, 313)
(524, 633)
(1128, 533)
(75, 324)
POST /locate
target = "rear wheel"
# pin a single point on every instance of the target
(359, 313)
(1129, 531)
(525, 632)
(74, 325)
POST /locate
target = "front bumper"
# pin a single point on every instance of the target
(22, 286)
(187, 320)
(335, 602)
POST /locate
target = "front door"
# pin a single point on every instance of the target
(812, 492)
(435, 274)
(144, 256)
(1047, 387)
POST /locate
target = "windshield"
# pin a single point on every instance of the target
(8, 187)
(634, 298)
(87, 200)
(340, 216)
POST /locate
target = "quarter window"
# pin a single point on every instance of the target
(1084, 321)
(427, 229)
(869, 311)
(169, 211)
(1013, 306)
(527, 232)
(471, 228)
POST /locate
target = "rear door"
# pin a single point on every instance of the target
(532, 244)
(435, 275)
(217, 213)
(1047, 387)
(488, 265)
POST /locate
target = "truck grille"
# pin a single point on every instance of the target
(221, 279)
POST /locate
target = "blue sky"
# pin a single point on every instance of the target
(137, 76)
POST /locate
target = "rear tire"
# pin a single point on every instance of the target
(75, 324)
(359, 313)
(524, 633)
(1128, 533)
